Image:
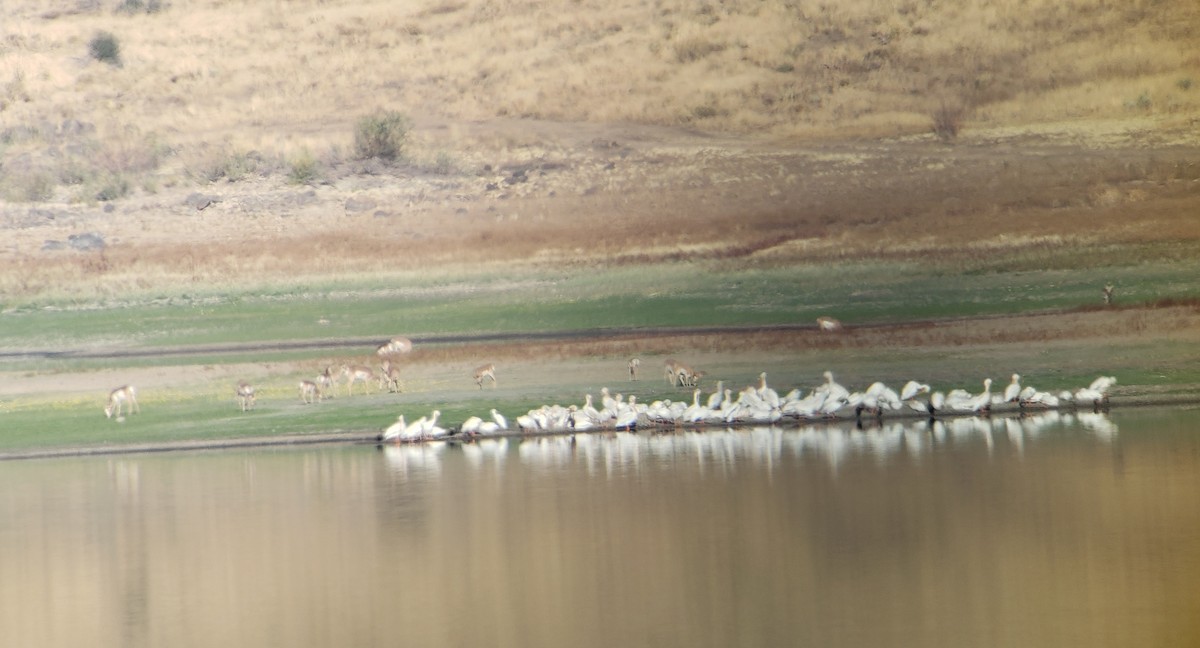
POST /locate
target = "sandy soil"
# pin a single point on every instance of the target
(547, 192)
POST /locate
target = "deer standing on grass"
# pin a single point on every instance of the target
(309, 392)
(483, 372)
(357, 373)
(828, 324)
(325, 381)
(670, 369)
(634, 366)
(389, 375)
(686, 376)
(245, 395)
(119, 397)
(1108, 294)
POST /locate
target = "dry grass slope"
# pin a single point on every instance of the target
(202, 79)
(534, 121)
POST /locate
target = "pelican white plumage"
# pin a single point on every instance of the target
(937, 402)
(983, 402)
(527, 423)
(626, 418)
(768, 395)
(429, 424)
(1103, 384)
(471, 425)
(832, 389)
(1089, 395)
(1025, 394)
(395, 430)
(911, 389)
(695, 411)
(1045, 399)
(581, 422)
(885, 397)
(1013, 391)
(499, 419)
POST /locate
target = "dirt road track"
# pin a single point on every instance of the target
(479, 338)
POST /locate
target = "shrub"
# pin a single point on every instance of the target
(303, 169)
(1184, 84)
(104, 47)
(36, 186)
(382, 135)
(116, 187)
(947, 121)
(140, 6)
(696, 48)
(232, 166)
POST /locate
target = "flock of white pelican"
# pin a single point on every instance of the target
(756, 405)
(831, 443)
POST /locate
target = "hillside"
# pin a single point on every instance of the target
(784, 130)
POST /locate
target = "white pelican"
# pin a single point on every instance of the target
(1013, 391)
(937, 402)
(1089, 395)
(395, 430)
(626, 418)
(471, 425)
(527, 423)
(885, 397)
(911, 389)
(1103, 384)
(832, 389)
(430, 424)
(983, 402)
(488, 427)
(768, 395)
(499, 419)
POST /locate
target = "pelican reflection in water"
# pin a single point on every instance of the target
(832, 443)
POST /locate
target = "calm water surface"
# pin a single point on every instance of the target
(1054, 531)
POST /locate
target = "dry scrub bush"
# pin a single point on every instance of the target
(382, 135)
(947, 120)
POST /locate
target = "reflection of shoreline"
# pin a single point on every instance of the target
(371, 436)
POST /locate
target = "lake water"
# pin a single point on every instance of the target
(1056, 531)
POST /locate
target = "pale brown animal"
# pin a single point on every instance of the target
(395, 346)
(245, 395)
(309, 392)
(484, 372)
(389, 375)
(119, 398)
(828, 324)
(357, 373)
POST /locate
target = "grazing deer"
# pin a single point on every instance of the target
(828, 324)
(395, 346)
(634, 365)
(325, 382)
(483, 372)
(389, 375)
(245, 395)
(671, 367)
(357, 373)
(126, 395)
(692, 380)
(309, 393)
(685, 376)
(1108, 294)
